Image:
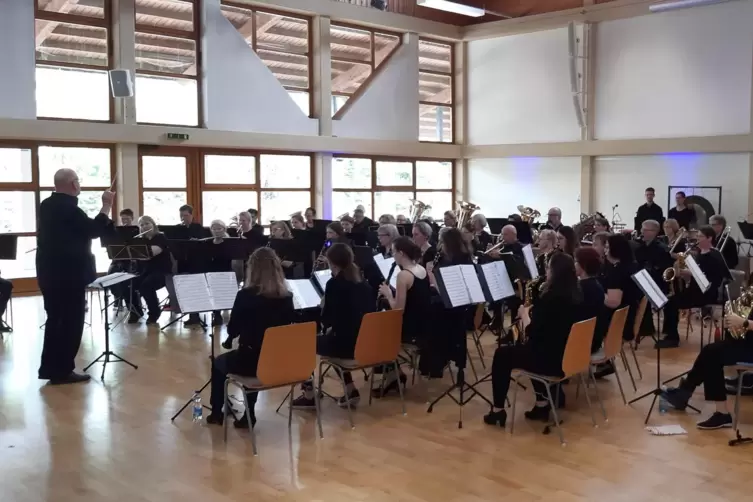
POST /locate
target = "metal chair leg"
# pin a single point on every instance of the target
(371, 387)
(290, 406)
(225, 410)
(598, 397)
(635, 358)
(250, 425)
(588, 399)
(554, 413)
(514, 403)
(400, 387)
(627, 367)
(347, 399)
(737, 399)
(318, 406)
(619, 382)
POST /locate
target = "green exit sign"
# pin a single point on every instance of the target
(177, 136)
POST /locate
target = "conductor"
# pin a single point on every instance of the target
(65, 266)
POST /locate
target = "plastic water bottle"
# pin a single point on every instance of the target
(663, 406)
(197, 407)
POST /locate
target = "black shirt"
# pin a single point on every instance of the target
(684, 218)
(362, 226)
(257, 229)
(649, 212)
(64, 240)
(619, 276)
(551, 320)
(345, 304)
(160, 264)
(713, 266)
(218, 257)
(550, 226)
(482, 241)
(417, 310)
(729, 252)
(428, 256)
(593, 306)
(253, 313)
(654, 257)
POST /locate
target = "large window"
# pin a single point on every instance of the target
(436, 74)
(386, 186)
(356, 52)
(282, 42)
(168, 59)
(27, 178)
(73, 54)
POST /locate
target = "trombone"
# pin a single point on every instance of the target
(723, 238)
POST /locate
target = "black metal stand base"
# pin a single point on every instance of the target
(5, 327)
(739, 440)
(462, 387)
(191, 400)
(109, 357)
(179, 318)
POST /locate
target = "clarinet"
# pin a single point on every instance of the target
(387, 281)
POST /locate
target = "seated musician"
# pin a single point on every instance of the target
(264, 302)
(152, 274)
(601, 225)
(422, 237)
(450, 219)
(653, 255)
(547, 326)
(711, 263)
(387, 219)
(347, 298)
(729, 251)
(547, 245)
(676, 239)
(510, 244)
(483, 237)
(120, 290)
(297, 222)
(708, 369)
(6, 290)
(256, 228)
(347, 222)
(245, 223)
(362, 223)
(554, 219)
(194, 230)
(400, 219)
(217, 263)
(413, 296)
(599, 243)
(567, 241)
(469, 238)
(618, 282)
(588, 268)
(310, 215)
(126, 217)
(387, 234)
(279, 230)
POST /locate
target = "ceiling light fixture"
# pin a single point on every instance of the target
(682, 4)
(454, 7)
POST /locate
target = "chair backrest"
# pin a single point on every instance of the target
(577, 357)
(478, 316)
(639, 313)
(379, 337)
(613, 340)
(288, 354)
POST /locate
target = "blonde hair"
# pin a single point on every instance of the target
(548, 235)
(149, 219)
(219, 223)
(264, 273)
(282, 225)
(672, 223)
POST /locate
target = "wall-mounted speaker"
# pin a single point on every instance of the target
(121, 83)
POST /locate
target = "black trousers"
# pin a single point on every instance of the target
(147, 286)
(708, 368)
(331, 345)
(6, 288)
(241, 362)
(688, 298)
(510, 357)
(65, 306)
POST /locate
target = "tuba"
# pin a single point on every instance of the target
(464, 212)
(417, 210)
(741, 306)
(528, 214)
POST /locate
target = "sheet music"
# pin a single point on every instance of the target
(385, 264)
(655, 295)
(192, 292)
(472, 284)
(304, 294)
(498, 280)
(530, 261)
(698, 276)
(223, 287)
(323, 277)
(110, 280)
(452, 277)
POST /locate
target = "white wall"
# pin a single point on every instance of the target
(240, 93)
(519, 90)
(500, 185)
(681, 73)
(622, 180)
(388, 107)
(17, 98)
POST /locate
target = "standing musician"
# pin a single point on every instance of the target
(297, 222)
(347, 298)
(711, 262)
(729, 251)
(618, 282)
(253, 215)
(450, 219)
(683, 213)
(554, 219)
(413, 296)
(280, 230)
(310, 215)
(65, 267)
(422, 237)
(547, 325)
(567, 241)
(152, 274)
(387, 233)
(362, 223)
(217, 262)
(708, 369)
(264, 302)
(676, 241)
(483, 237)
(648, 211)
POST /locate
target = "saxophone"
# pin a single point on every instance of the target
(742, 307)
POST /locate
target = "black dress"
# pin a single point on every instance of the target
(619, 276)
(345, 304)
(417, 311)
(593, 306)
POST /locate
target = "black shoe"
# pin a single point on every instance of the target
(134, 318)
(5, 329)
(215, 419)
(667, 343)
(716, 421)
(390, 387)
(73, 377)
(304, 403)
(242, 423)
(677, 397)
(604, 370)
(354, 398)
(152, 319)
(192, 322)
(539, 413)
(217, 320)
(496, 418)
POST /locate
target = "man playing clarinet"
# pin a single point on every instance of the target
(65, 267)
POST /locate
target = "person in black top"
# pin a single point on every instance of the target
(618, 282)
(362, 223)
(65, 266)
(708, 369)
(510, 244)
(387, 234)
(567, 241)
(194, 230)
(547, 325)
(729, 251)
(264, 302)
(648, 211)
(554, 220)
(588, 266)
(297, 222)
(684, 214)
(547, 245)
(422, 237)
(469, 238)
(450, 219)
(653, 255)
(256, 228)
(482, 237)
(711, 263)
(152, 274)
(601, 225)
(676, 240)
(347, 298)
(218, 261)
(280, 230)
(310, 215)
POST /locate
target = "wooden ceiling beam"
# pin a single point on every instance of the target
(44, 30)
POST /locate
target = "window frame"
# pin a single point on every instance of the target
(451, 75)
(374, 188)
(195, 37)
(106, 23)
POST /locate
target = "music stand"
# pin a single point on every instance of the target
(109, 356)
(135, 250)
(8, 251)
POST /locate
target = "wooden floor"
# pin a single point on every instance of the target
(114, 441)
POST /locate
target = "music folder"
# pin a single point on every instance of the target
(698, 276)
(495, 281)
(459, 286)
(193, 293)
(109, 280)
(8, 246)
(530, 261)
(385, 264)
(321, 277)
(290, 249)
(649, 287)
(136, 249)
(305, 295)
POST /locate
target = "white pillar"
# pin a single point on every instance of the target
(124, 37)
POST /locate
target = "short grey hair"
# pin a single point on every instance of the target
(556, 211)
(652, 223)
(480, 218)
(387, 219)
(718, 219)
(548, 235)
(390, 230)
(424, 229)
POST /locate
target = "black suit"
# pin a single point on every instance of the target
(65, 266)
